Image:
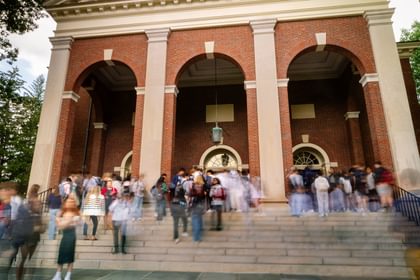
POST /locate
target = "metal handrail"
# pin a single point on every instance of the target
(408, 204)
(43, 197)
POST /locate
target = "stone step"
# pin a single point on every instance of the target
(341, 244)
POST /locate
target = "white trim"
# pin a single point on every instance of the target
(221, 147)
(209, 47)
(379, 17)
(100, 125)
(70, 95)
(61, 42)
(140, 90)
(369, 78)
(318, 149)
(352, 115)
(265, 26)
(406, 49)
(124, 162)
(158, 35)
(108, 57)
(172, 90)
(283, 83)
(321, 41)
(250, 85)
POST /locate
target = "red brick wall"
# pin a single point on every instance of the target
(128, 49)
(348, 36)
(328, 129)
(412, 97)
(253, 142)
(138, 128)
(193, 134)
(168, 143)
(235, 42)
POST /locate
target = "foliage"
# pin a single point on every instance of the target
(19, 117)
(17, 16)
(410, 35)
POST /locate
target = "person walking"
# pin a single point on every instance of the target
(54, 206)
(93, 209)
(197, 200)
(159, 191)
(178, 209)
(138, 188)
(67, 220)
(217, 195)
(321, 186)
(120, 211)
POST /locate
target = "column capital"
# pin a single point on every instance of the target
(379, 17)
(140, 90)
(352, 115)
(250, 85)
(100, 125)
(61, 43)
(172, 90)
(406, 49)
(70, 95)
(158, 35)
(369, 78)
(265, 26)
(283, 83)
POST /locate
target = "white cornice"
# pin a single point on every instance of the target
(198, 14)
(379, 17)
(406, 49)
(283, 83)
(369, 78)
(61, 43)
(250, 85)
(172, 90)
(70, 95)
(140, 90)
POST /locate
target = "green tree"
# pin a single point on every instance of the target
(19, 117)
(411, 35)
(17, 16)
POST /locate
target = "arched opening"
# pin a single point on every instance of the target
(327, 109)
(312, 156)
(211, 93)
(221, 157)
(103, 123)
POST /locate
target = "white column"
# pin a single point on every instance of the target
(50, 115)
(152, 132)
(269, 130)
(393, 92)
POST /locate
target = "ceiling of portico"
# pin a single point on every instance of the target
(310, 66)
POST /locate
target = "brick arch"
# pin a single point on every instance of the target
(348, 36)
(96, 97)
(130, 50)
(184, 45)
(203, 56)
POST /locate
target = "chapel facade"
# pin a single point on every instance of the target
(138, 86)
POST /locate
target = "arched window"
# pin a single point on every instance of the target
(303, 157)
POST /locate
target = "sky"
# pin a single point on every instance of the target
(35, 48)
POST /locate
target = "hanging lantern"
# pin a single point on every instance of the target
(216, 135)
(225, 160)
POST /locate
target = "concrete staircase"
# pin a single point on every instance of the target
(343, 244)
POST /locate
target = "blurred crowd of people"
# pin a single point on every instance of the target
(82, 201)
(359, 189)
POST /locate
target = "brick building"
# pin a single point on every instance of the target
(137, 86)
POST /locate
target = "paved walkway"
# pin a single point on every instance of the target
(84, 274)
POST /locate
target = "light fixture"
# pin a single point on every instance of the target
(216, 132)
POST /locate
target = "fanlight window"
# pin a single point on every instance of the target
(221, 161)
(305, 158)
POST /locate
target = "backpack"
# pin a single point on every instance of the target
(178, 194)
(219, 193)
(386, 177)
(23, 226)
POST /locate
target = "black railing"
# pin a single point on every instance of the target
(43, 197)
(408, 204)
